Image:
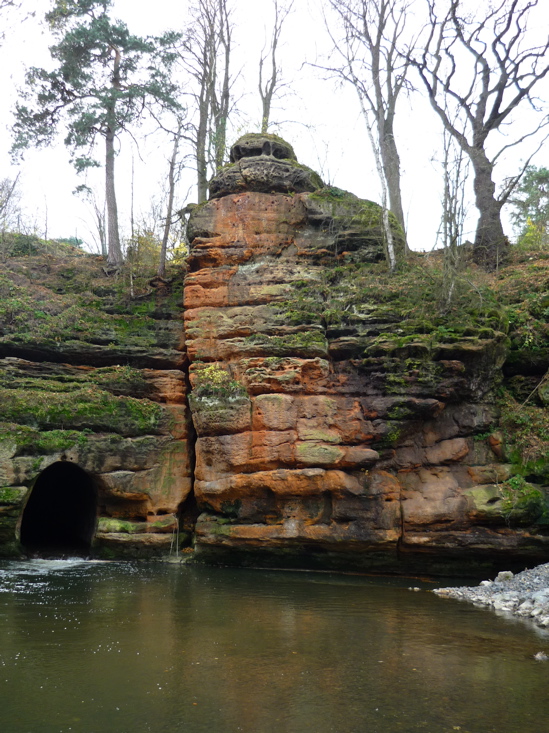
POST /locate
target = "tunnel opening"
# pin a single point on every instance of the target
(60, 516)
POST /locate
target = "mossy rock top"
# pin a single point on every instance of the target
(255, 144)
(357, 224)
(264, 174)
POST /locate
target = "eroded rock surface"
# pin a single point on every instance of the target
(309, 408)
(331, 435)
(86, 395)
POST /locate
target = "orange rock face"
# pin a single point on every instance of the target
(301, 447)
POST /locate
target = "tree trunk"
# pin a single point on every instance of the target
(115, 252)
(171, 192)
(114, 258)
(201, 139)
(391, 170)
(389, 242)
(491, 244)
(222, 105)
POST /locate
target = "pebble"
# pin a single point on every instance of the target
(525, 594)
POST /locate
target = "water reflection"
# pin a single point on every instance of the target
(120, 647)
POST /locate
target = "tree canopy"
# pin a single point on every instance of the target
(104, 80)
(478, 67)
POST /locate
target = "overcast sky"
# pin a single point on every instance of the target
(321, 120)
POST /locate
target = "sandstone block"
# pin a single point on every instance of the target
(274, 412)
(447, 451)
(431, 496)
(318, 454)
(221, 415)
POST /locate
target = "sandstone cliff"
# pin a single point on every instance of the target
(92, 378)
(310, 410)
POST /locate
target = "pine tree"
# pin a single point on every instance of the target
(531, 204)
(104, 80)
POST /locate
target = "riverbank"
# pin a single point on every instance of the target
(525, 594)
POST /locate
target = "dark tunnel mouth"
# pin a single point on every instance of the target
(60, 515)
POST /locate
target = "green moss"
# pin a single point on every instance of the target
(161, 523)
(317, 454)
(523, 503)
(29, 441)
(58, 305)
(12, 496)
(89, 408)
(393, 435)
(363, 217)
(325, 436)
(110, 525)
(521, 288)
(526, 431)
(395, 315)
(486, 501)
(305, 343)
(231, 508)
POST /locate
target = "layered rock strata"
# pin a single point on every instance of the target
(320, 439)
(100, 389)
(305, 407)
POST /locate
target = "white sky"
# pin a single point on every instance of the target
(321, 120)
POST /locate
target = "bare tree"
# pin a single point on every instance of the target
(483, 67)
(174, 169)
(370, 60)
(10, 210)
(9, 199)
(455, 166)
(269, 87)
(206, 56)
(99, 216)
(221, 94)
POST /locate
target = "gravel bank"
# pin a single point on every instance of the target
(525, 595)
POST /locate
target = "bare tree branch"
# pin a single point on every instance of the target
(498, 70)
(269, 87)
(371, 56)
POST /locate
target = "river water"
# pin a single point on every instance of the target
(98, 647)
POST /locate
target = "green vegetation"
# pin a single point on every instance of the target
(89, 407)
(31, 441)
(93, 93)
(66, 303)
(395, 310)
(357, 223)
(526, 431)
(531, 203)
(215, 381)
(522, 291)
(10, 495)
(118, 380)
(296, 343)
(523, 503)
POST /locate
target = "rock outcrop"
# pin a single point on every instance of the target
(92, 379)
(295, 404)
(332, 428)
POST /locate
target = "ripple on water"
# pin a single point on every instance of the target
(115, 647)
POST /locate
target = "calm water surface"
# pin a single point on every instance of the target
(128, 648)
